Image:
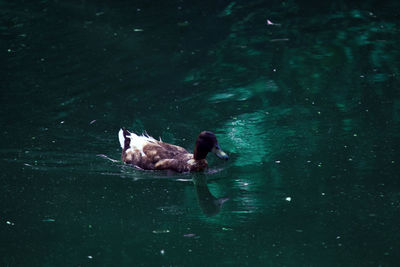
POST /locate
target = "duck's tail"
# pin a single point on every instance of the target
(124, 139)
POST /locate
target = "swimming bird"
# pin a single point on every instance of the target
(145, 152)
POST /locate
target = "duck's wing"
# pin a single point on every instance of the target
(157, 151)
(172, 148)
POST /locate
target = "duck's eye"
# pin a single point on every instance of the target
(215, 148)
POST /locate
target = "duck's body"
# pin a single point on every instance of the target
(148, 153)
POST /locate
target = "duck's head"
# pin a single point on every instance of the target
(207, 142)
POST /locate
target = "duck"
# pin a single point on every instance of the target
(147, 153)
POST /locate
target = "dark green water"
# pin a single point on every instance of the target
(307, 108)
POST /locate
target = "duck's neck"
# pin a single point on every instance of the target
(199, 153)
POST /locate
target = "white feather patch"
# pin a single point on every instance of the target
(137, 141)
(121, 138)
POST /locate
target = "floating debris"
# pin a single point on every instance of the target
(189, 235)
(138, 30)
(93, 121)
(160, 231)
(288, 199)
(9, 223)
(280, 40)
(270, 23)
(183, 24)
(48, 220)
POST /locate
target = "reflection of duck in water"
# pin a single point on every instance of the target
(209, 204)
(147, 153)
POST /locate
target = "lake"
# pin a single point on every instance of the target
(302, 95)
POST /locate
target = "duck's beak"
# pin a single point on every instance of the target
(220, 154)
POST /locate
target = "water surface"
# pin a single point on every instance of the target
(303, 97)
